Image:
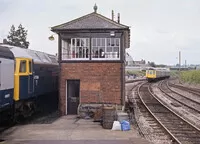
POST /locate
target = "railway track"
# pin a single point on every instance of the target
(178, 128)
(191, 90)
(182, 99)
(148, 126)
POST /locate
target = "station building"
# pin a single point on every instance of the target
(91, 55)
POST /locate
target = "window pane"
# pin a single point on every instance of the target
(66, 49)
(22, 68)
(103, 42)
(117, 42)
(93, 42)
(77, 42)
(115, 54)
(73, 52)
(80, 52)
(108, 41)
(85, 52)
(102, 52)
(87, 42)
(109, 49)
(77, 52)
(98, 42)
(116, 49)
(73, 42)
(83, 43)
(112, 42)
(95, 52)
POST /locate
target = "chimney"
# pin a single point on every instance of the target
(5, 41)
(118, 18)
(112, 15)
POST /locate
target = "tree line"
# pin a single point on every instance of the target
(17, 37)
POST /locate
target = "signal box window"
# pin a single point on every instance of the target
(22, 68)
(105, 48)
(75, 49)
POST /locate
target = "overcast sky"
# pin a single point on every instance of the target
(159, 28)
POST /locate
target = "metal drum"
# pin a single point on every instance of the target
(109, 116)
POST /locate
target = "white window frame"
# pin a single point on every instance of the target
(105, 55)
(112, 55)
(72, 47)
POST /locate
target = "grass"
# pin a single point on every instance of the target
(192, 76)
(137, 73)
(174, 73)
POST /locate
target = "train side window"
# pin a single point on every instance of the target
(22, 68)
(30, 67)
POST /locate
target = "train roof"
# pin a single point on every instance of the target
(6, 53)
(158, 69)
(37, 56)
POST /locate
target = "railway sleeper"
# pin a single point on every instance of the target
(176, 125)
(189, 140)
(184, 131)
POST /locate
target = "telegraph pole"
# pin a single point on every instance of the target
(179, 66)
(179, 60)
(185, 63)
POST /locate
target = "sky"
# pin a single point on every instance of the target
(159, 28)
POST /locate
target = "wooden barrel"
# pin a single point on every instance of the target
(109, 116)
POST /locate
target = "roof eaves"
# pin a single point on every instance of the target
(91, 29)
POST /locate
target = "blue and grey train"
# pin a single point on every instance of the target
(28, 81)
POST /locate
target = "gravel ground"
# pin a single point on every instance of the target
(187, 94)
(183, 99)
(147, 126)
(192, 85)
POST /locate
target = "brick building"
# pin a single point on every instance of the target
(91, 54)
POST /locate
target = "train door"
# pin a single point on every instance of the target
(24, 78)
(30, 78)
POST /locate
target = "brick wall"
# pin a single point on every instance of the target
(99, 82)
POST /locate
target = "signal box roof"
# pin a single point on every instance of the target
(90, 21)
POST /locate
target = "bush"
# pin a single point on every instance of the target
(174, 73)
(192, 76)
(137, 73)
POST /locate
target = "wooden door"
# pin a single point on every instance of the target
(73, 91)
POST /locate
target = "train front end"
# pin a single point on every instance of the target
(150, 75)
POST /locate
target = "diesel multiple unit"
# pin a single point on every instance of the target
(153, 74)
(27, 79)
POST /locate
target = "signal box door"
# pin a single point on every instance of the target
(73, 90)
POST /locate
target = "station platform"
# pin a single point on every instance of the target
(69, 130)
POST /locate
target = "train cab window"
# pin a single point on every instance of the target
(30, 67)
(22, 68)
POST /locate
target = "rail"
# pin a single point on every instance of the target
(184, 100)
(177, 127)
